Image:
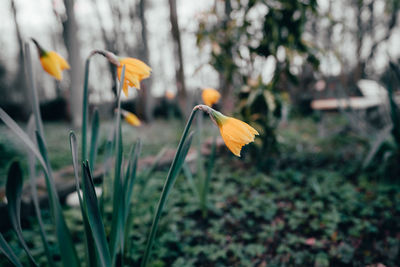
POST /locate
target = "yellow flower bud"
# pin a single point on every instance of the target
(51, 62)
(210, 96)
(131, 118)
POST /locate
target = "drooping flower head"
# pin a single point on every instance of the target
(234, 132)
(131, 118)
(51, 62)
(210, 96)
(135, 69)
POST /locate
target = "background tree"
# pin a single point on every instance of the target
(244, 38)
(70, 30)
(179, 68)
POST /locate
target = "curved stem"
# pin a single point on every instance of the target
(166, 189)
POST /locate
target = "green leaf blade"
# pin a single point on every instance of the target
(13, 193)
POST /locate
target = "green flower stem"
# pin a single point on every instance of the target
(166, 189)
(34, 94)
(85, 108)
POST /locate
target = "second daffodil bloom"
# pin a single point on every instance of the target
(131, 118)
(210, 96)
(135, 71)
(51, 62)
(234, 132)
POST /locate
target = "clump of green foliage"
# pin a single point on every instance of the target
(308, 218)
(244, 33)
(382, 161)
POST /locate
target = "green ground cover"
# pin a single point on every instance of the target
(315, 208)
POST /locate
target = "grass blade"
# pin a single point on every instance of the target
(176, 165)
(95, 221)
(91, 257)
(8, 252)
(189, 176)
(23, 136)
(85, 107)
(13, 193)
(131, 174)
(35, 199)
(130, 178)
(67, 248)
(93, 141)
(118, 198)
(107, 183)
(206, 186)
(34, 93)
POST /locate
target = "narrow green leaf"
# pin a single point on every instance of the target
(143, 180)
(206, 186)
(7, 251)
(131, 174)
(107, 181)
(13, 193)
(68, 256)
(189, 176)
(394, 109)
(130, 178)
(35, 199)
(94, 217)
(33, 92)
(23, 136)
(67, 248)
(180, 156)
(91, 257)
(118, 198)
(85, 107)
(93, 142)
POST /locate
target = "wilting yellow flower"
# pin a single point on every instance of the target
(210, 96)
(234, 132)
(52, 62)
(131, 118)
(135, 71)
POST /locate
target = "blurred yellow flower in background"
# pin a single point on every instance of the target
(234, 132)
(135, 71)
(131, 118)
(51, 62)
(169, 94)
(210, 96)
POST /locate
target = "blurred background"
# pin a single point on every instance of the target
(314, 48)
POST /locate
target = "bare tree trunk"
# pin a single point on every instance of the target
(70, 29)
(179, 74)
(144, 103)
(109, 44)
(19, 83)
(226, 86)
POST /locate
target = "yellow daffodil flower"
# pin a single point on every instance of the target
(234, 132)
(131, 118)
(51, 62)
(135, 71)
(170, 95)
(210, 96)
